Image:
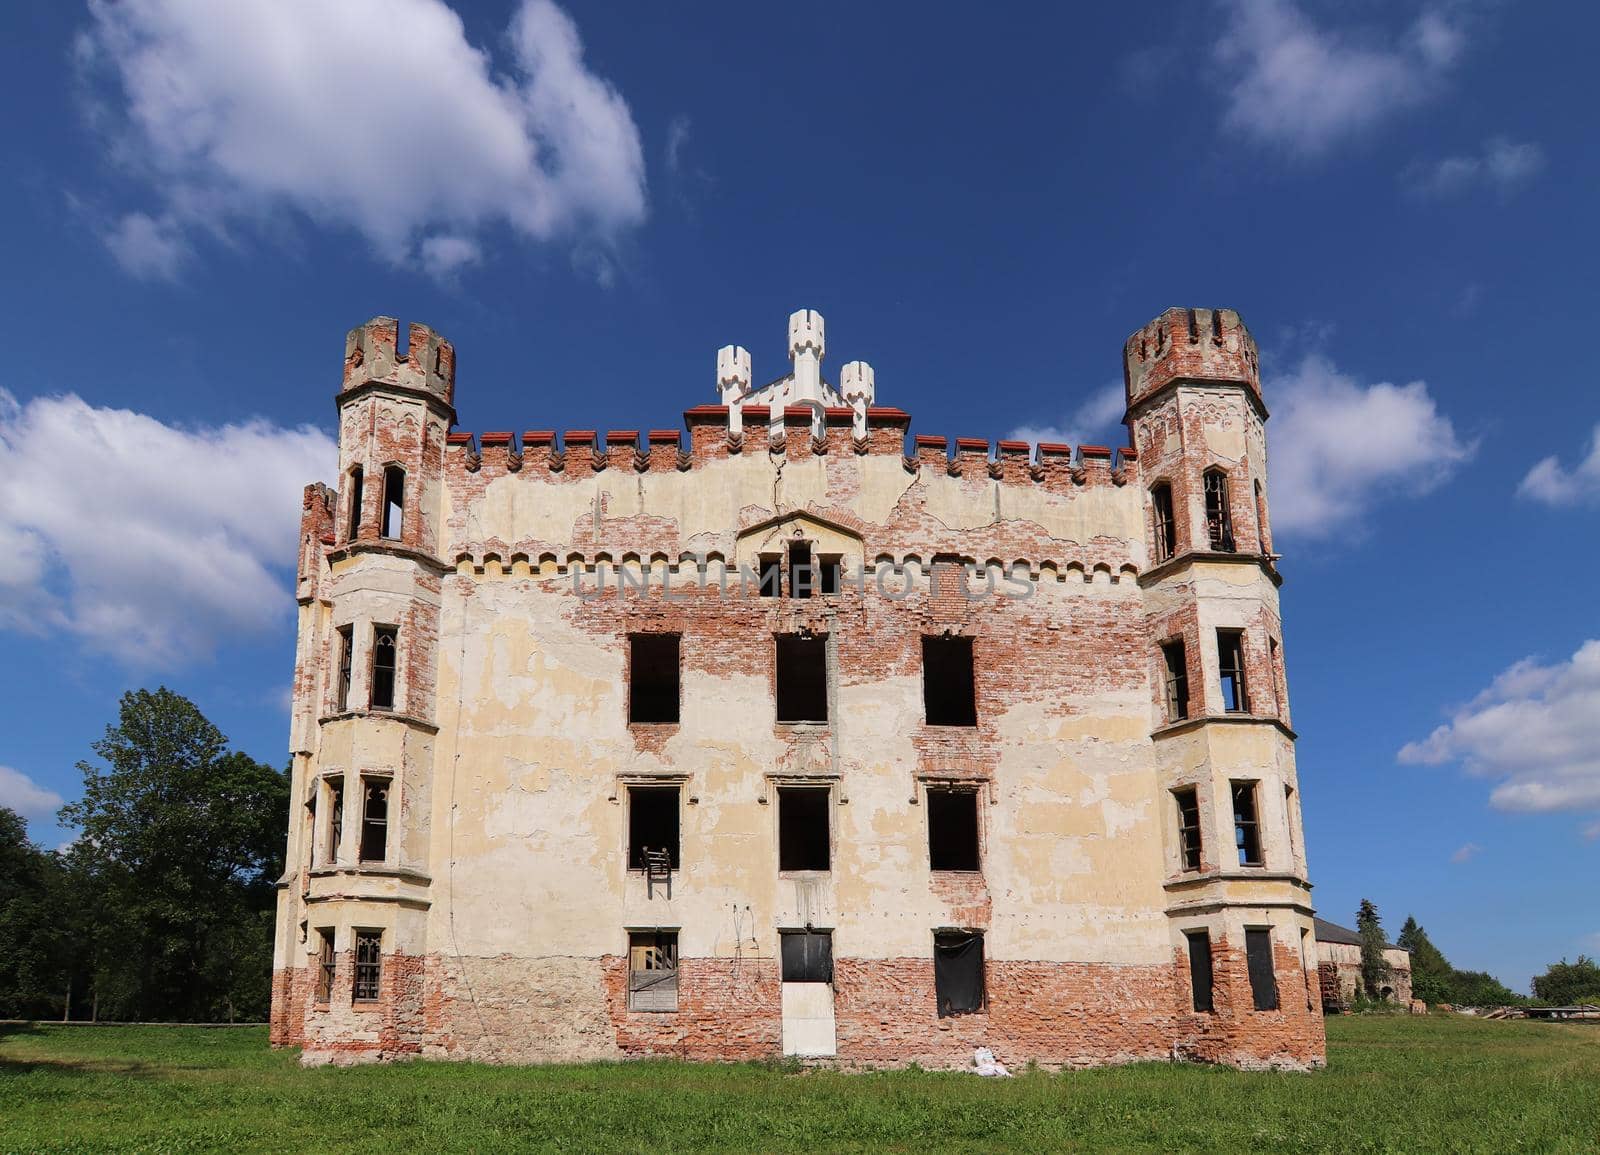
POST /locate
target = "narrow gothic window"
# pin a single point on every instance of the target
(346, 646)
(374, 819)
(369, 964)
(1246, 827)
(383, 666)
(1230, 669)
(1263, 979)
(1261, 520)
(1161, 504)
(353, 517)
(1219, 521)
(1176, 662)
(1200, 980)
(335, 818)
(325, 964)
(1188, 826)
(394, 501)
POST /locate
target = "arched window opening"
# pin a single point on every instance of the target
(394, 500)
(383, 667)
(352, 522)
(1219, 521)
(1161, 504)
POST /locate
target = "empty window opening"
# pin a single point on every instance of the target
(352, 525)
(369, 965)
(952, 830)
(803, 828)
(1161, 504)
(1288, 818)
(806, 956)
(802, 574)
(1274, 669)
(1263, 981)
(325, 964)
(653, 679)
(347, 645)
(958, 972)
(1200, 981)
(1230, 669)
(1246, 828)
(335, 818)
(802, 678)
(1188, 800)
(771, 575)
(1219, 520)
(1176, 661)
(828, 575)
(653, 970)
(374, 819)
(394, 501)
(383, 666)
(949, 695)
(1261, 520)
(652, 824)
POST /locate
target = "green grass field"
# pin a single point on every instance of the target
(1395, 1083)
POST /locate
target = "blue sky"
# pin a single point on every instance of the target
(197, 201)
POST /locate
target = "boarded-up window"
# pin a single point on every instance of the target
(952, 829)
(1176, 663)
(1188, 800)
(385, 641)
(1263, 982)
(806, 956)
(653, 970)
(949, 695)
(958, 972)
(374, 819)
(325, 964)
(1161, 508)
(1200, 968)
(1230, 668)
(652, 824)
(803, 834)
(653, 678)
(369, 965)
(802, 678)
(1246, 826)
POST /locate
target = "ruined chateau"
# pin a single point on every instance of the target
(794, 734)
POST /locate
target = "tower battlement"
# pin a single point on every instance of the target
(1190, 344)
(371, 357)
(806, 332)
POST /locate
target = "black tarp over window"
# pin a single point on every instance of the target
(958, 972)
(1263, 982)
(807, 956)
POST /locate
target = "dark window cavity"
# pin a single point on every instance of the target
(335, 818)
(1263, 982)
(1161, 504)
(394, 501)
(802, 574)
(1219, 520)
(771, 576)
(652, 824)
(803, 828)
(1188, 800)
(952, 829)
(347, 645)
(1246, 828)
(828, 574)
(653, 678)
(949, 694)
(384, 640)
(802, 678)
(1176, 663)
(352, 524)
(653, 970)
(1230, 668)
(958, 972)
(806, 956)
(325, 964)
(1275, 671)
(374, 819)
(369, 965)
(1200, 968)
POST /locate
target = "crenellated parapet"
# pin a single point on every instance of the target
(371, 357)
(1190, 345)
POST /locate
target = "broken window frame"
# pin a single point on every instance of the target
(347, 654)
(392, 513)
(1190, 839)
(940, 854)
(639, 825)
(1232, 684)
(374, 843)
(803, 858)
(335, 786)
(327, 965)
(1262, 969)
(366, 978)
(652, 967)
(1246, 821)
(1219, 517)
(805, 956)
(383, 685)
(1175, 670)
(1165, 522)
(948, 947)
(1202, 973)
(352, 528)
(795, 691)
(651, 689)
(949, 680)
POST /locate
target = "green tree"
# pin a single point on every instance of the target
(180, 842)
(1565, 984)
(1374, 970)
(1431, 973)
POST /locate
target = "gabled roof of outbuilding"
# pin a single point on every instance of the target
(1333, 932)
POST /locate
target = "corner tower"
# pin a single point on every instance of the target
(1235, 867)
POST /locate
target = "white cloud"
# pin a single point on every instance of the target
(1503, 166)
(377, 115)
(20, 793)
(448, 255)
(1304, 88)
(1466, 853)
(1097, 417)
(1552, 484)
(145, 540)
(1536, 730)
(1337, 447)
